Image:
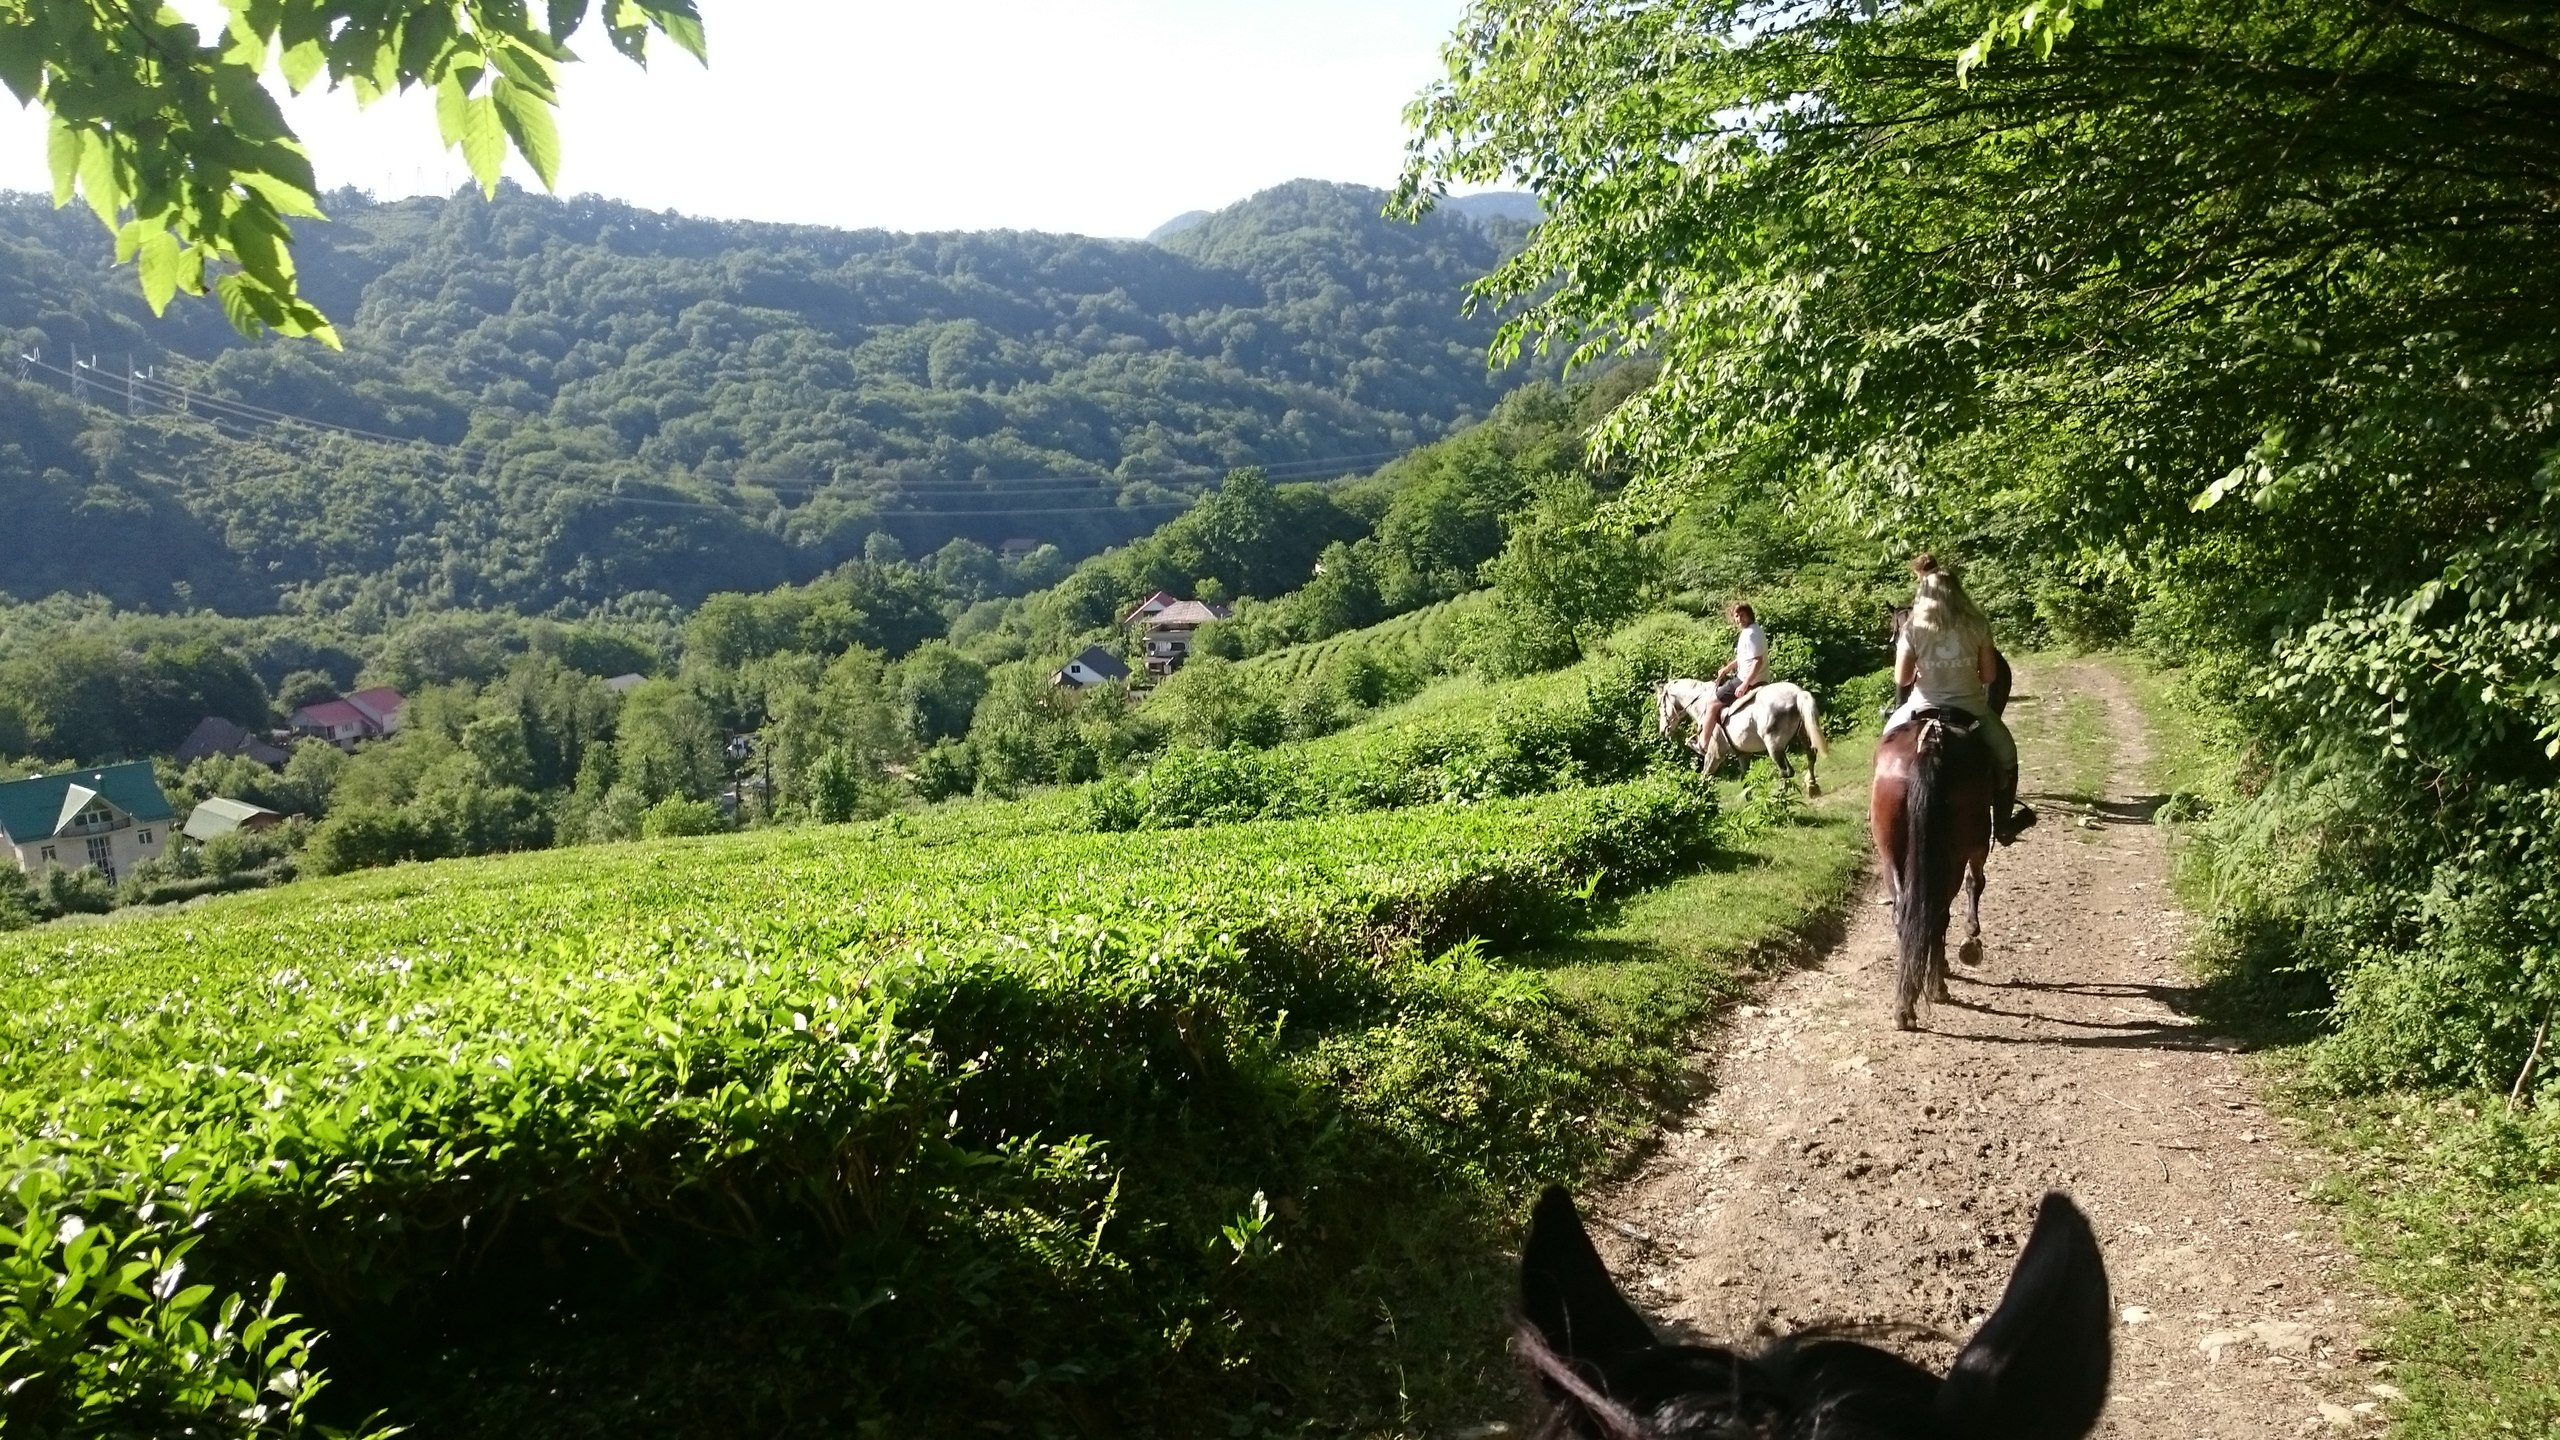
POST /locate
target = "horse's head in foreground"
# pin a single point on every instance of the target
(2036, 1370)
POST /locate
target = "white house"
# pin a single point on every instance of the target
(112, 818)
(1092, 666)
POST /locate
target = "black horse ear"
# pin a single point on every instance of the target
(1566, 1292)
(2038, 1368)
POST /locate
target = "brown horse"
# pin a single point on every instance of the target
(1930, 808)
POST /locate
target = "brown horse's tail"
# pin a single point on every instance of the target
(1928, 860)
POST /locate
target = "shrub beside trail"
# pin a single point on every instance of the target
(556, 1143)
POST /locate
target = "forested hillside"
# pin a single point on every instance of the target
(599, 400)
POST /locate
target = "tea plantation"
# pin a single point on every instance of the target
(978, 1113)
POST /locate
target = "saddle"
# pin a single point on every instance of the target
(1936, 727)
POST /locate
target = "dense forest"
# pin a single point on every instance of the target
(555, 406)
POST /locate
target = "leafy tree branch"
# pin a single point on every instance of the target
(174, 138)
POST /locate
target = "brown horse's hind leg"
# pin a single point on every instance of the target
(1971, 954)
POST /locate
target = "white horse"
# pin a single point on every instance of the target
(1772, 720)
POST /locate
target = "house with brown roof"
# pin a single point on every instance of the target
(1149, 608)
(215, 735)
(1169, 630)
(347, 719)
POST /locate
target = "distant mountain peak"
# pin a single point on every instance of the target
(1497, 205)
(1176, 225)
(1514, 205)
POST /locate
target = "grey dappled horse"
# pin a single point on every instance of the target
(1773, 720)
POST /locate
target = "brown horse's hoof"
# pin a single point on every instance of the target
(1970, 955)
(1906, 1022)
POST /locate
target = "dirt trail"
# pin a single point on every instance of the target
(1839, 1169)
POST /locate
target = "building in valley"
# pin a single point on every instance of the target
(217, 816)
(112, 817)
(1092, 666)
(365, 715)
(1168, 631)
(215, 735)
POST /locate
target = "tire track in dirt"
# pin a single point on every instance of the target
(1840, 1170)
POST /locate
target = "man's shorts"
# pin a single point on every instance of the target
(1727, 688)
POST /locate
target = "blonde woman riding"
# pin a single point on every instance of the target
(1947, 660)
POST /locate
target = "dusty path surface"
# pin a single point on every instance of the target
(1840, 1170)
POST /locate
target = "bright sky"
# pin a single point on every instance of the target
(1103, 117)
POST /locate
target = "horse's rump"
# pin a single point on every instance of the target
(1931, 810)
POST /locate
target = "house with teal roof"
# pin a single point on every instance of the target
(112, 817)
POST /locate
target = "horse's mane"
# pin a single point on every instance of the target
(1820, 1383)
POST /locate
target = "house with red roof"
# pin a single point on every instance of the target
(1149, 608)
(349, 719)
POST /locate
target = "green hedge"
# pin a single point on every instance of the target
(985, 1111)
(1593, 723)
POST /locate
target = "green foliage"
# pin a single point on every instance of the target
(180, 150)
(362, 836)
(680, 815)
(76, 892)
(781, 1068)
(667, 744)
(1561, 582)
(938, 688)
(945, 770)
(2272, 410)
(616, 402)
(21, 904)
(85, 695)
(107, 1335)
(1211, 704)
(1464, 743)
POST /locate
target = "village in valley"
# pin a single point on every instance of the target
(114, 829)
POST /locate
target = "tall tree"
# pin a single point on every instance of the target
(2239, 315)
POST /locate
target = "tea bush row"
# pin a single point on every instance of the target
(946, 1082)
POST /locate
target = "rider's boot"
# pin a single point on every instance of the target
(2009, 818)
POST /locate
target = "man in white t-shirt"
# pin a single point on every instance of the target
(1743, 673)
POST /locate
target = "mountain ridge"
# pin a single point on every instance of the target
(1488, 206)
(594, 400)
